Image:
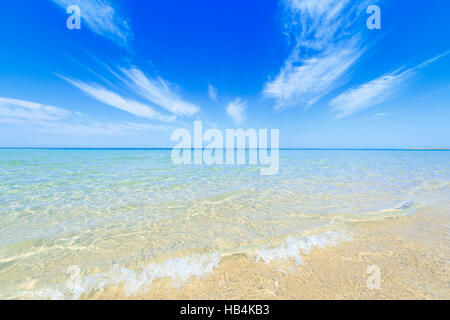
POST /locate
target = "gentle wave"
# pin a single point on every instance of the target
(292, 248)
(404, 209)
(130, 217)
(180, 270)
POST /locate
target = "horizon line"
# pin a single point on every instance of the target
(170, 148)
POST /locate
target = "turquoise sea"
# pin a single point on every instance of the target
(73, 221)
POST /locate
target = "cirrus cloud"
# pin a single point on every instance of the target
(56, 120)
(102, 18)
(236, 110)
(159, 92)
(376, 91)
(22, 110)
(323, 52)
(115, 100)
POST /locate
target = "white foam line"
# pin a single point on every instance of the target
(292, 248)
(180, 269)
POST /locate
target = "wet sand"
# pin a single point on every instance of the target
(412, 254)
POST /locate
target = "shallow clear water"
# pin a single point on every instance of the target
(132, 216)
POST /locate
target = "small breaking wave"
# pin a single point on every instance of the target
(429, 186)
(180, 270)
(293, 248)
(404, 209)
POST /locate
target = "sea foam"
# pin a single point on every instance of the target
(134, 282)
(180, 269)
(292, 248)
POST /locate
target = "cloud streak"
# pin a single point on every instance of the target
(370, 94)
(322, 55)
(236, 110)
(159, 92)
(115, 100)
(102, 18)
(22, 110)
(376, 91)
(56, 120)
(98, 128)
(212, 92)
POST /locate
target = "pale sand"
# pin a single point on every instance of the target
(412, 253)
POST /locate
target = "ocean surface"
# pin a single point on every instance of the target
(75, 221)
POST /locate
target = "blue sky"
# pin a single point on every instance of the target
(137, 70)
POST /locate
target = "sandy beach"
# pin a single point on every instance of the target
(157, 231)
(411, 252)
(224, 150)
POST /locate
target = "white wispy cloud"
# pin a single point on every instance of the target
(323, 51)
(304, 84)
(369, 94)
(22, 110)
(102, 18)
(92, 127)
(236, 110)
(375, 91)
(212, 92)
(115, 100)
(159, 92)
(430, 61)
(56, 120)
